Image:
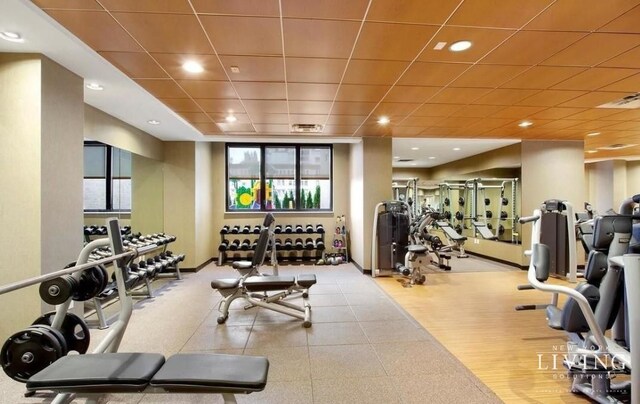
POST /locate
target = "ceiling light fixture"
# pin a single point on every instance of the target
(235, 69)
(415, 148)
(153, 122)
(593, 134)
(456, 149)
(396, 157)
(592, 151)
(230, 118)
(95, 87)
(460, 46)
(440, 46)
(11, 36)
(525, 124)
(193, 67)
(432, 158)
(413, 164)
(383, 120)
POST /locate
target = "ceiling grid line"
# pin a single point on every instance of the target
(284, 65)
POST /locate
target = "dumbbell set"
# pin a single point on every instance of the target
(288, 229)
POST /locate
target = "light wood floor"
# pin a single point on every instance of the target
(473, 316)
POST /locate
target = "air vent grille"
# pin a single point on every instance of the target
(306, 128)
(629, 102)
(616, 146)
(404, 160)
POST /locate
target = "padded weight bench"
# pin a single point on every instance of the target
(484, 231)
(453, 235)
(109, 373)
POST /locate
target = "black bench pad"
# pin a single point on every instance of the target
(306, 280)
(98, 373)
(417, 249)
(268, 283)
(242, 264)
(212, 373)
(225, 283)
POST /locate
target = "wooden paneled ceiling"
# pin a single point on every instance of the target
(343, 64)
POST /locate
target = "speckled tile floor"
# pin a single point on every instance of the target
(362, 348)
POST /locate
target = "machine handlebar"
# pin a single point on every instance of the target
(528, 219)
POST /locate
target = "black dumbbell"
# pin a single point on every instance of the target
(503, 215)
(278, 243)
(225, 229)
(459, 215)
(224, 246)
(501, 229)
(235, 230)
(319, 243)
(308, 244)
(488, 214)
(151, 269)
(458, 229)
(246, 229)
(299, 244)
(319, 228)
(235, 244)
(461, 201)
(447, 202)
(288, 244)
(309, 228)
(246, 244)
(277, 229)
(256, 229)
(505, 201)
(288, 229)
(447, 215)
(489, 226)
(487, 201)
(299, 229)
(254, 245)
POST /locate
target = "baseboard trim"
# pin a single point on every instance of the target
(364, 271)
(199, 267)
(498, 260)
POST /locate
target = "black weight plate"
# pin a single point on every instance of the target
(27, 352)
(447, 202)
(55, 333)
(88, 285)
(105, 278)
(461, 201)
(505, 201)
(74, 330)
(57, 290)
(487, 201)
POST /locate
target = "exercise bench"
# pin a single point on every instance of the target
(484, 231)
(453, 235)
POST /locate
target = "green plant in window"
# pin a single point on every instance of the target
(285, 201)
(292, 201)
(276, 201)
(244, 197)
(316, 198)
(309, 201)
(303, 200)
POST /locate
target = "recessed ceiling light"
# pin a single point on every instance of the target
(396, 157)
(593, 134)
(592, 151)
(230, 118)
(456, 149)
(383, 120)
(413, 164)
(193, 67)
(525, 124)
(11, 36)
(415, 148)
(460, 46)
(431, 158)
(440, 46)
(153, 122)
(95, 87)
(235, 69)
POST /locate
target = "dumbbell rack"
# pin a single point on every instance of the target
(229, 255)
(144, 290)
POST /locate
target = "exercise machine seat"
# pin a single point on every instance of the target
(573, 319)
(225, 283)
(213, 373)
(268, 283)
(98, 373)
(241, 264)
(306, 280)
(417, 249)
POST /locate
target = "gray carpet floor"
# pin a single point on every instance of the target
(362, 347)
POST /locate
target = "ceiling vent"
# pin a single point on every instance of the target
(404, 160)
(306, 128)
(616, 146)
(629, 102)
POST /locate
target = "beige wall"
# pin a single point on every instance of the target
(633, 178)
(41, 200)
(356, 196)
(147, 195)
(205, 248)
(610, 182)
(508, 156)
(104, 128)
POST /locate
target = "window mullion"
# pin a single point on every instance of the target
(109, 177)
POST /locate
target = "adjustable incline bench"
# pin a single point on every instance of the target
(105, 371)
(253, 287)
(453, 235)
(484, 231)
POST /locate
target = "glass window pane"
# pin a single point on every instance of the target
(120, 163)
(121, 194)
(95, 193)
(280, 169)
(95, 162)
(315, 177)
(243, 178)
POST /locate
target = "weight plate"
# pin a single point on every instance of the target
(27, 352)
(58, 290)
(55, 333)
(74, 330)
(88, 285)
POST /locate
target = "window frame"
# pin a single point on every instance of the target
(108, 178)
(298, 179)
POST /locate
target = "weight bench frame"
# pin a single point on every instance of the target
(452, 235)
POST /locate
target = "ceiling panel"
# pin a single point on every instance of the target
(340, 129)
(361, 92)
(420, 12)
(593, 99)
(630, 84)
(97, 29)
(593, 49)
(418, 94)
(423, 121)
(626, 115)
(394, 109)
(432, 74)
(136, 65)
(254, 68)
(590, 126)
(236, 127)
(531, 47)
(488, 76)
(594, 113)
(563, 15)
(556, 113)
(315, 70)
(560, 124)
(406, 131)
(517, 112)
(489, 123)
(594, 78)
(346, 120)
(208, 128)
(244, 7)
(373, 71)
(483, 39)
(550, 98)
(152, 6)
(627, 22)
(477, 111)
(437, 110)
(312, 91)
(172, 63)
(166, 33)
(503, 14)
(503, 96)
(220, 117)
(254, 107)
(244, 35)
(220, 106)
(271, 118)
(308, 118)
(69, 4)
(208, 89)
(319, 38)
(453, 95)
(330, 9)
(166, 88)
(455, 122)
(309, 107)
(181, 104)
(352, 108)
(196, 117)
(628, 59)
(272, 128)
(261, 91)
(631, 125)
(385, 41)
(542, 77)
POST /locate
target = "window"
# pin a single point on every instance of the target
(279, 177)
(107, 178)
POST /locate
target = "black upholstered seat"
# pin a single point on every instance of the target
(306, 280)
(417, 249)
(98, 373)
(268, 283)
(241, 264)
(212, 373)
(225, 283)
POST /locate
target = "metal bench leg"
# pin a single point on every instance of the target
(229, 398)
(102, 321)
